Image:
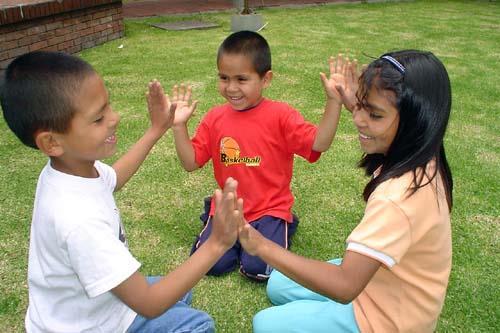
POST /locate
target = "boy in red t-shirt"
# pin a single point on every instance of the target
(254, 140)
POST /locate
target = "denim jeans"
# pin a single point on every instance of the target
(179, 318)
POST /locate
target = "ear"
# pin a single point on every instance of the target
(268, 77)
(48, 143)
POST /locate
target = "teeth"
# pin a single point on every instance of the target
(364, 136)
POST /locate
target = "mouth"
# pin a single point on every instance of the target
(111, 139)
(365, 137)
(234, 99)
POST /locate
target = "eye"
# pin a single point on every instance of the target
(374, 115)
(242, 79)
(222, 78)
(98, 120)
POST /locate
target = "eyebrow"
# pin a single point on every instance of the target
(100, 110)
(375, 107)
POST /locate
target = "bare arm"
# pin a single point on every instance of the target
(152, 300)
(342, 283)
(327, 127)
(161, 113)
(183, 145)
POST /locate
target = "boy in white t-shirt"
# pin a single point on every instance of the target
(81, 275)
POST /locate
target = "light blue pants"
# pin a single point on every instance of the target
(181, 317)
(301, 310)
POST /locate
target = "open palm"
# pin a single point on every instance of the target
(181, 96)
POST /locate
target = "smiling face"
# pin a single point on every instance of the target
(91, 135)
(239, 83)
(377, 121)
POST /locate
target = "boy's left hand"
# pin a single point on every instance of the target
(161, 110)
(335, 83)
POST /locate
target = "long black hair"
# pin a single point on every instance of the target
(423, 99)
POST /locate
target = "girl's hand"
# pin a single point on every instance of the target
(161, 110)
(182, 96)
(249, 238)
(348, 92)
(225, 221)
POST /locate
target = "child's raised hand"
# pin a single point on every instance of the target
(161, 110)
(181, 97)
(225, 221)
(335, 83)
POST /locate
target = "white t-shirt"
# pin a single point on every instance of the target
(77, 254)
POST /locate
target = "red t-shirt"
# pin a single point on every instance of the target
(256, 147)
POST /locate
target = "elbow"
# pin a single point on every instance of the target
(349, 295)
(150, 312)
(190, 167)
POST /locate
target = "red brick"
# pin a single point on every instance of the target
(64, 31)
(18, 51)
(37, 29)
(74, 49)
(86, 32)
(4, 55)
(38, 45)
(98, 15)
(55, 25)
(65, 45)
(55, 40)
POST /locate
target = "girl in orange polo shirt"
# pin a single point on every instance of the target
(394, 273)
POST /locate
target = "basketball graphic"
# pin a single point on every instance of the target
(230, 148)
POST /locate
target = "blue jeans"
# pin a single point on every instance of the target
(302, 310)
(180, 318)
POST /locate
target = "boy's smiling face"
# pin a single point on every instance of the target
(239, 83)
(92, 133)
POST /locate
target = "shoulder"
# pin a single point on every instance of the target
(428, 200)
(278, 105)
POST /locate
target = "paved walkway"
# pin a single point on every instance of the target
(168, 7)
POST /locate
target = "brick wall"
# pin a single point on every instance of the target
(57, 25)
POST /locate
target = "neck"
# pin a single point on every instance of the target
(85, 170)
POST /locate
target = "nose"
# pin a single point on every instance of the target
(231, 85)
(115, 119)
(358, 117)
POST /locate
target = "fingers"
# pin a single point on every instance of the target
(182, 92)
(230, 185)
(193, 106)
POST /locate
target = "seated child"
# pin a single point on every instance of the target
(254, 140)
(81, 275)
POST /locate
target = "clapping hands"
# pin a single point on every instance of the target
(342, 84)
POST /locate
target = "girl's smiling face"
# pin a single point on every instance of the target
(377, 121)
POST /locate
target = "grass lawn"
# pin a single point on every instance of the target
(161, 204)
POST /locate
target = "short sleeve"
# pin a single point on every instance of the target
(107, 173)
(384, 232)
(100, 260)
(201, 144)
(300, 135)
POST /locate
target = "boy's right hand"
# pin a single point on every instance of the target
(181, 97)
(225, 220)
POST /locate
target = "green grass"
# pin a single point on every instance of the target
(161, 204)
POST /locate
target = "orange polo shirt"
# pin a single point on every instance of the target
(411, 237)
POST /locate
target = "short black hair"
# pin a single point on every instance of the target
(250, 44)
(38, 91)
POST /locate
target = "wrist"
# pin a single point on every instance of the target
(179, 126)
(215, 247)
(154, 134)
